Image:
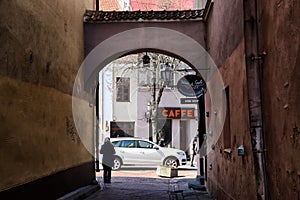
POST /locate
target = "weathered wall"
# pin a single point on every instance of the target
(193, 29)
(224, 29)
(41, 49)
(231, 176)
(52, 31)
(280, 84)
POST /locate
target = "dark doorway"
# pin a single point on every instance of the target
(165, 132)
(183, 134)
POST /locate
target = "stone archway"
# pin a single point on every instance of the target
(147, 38)
(162, 39)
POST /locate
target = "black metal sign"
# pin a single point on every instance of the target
(191, 85)
(188, 100)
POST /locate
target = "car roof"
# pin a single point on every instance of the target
(128, 138)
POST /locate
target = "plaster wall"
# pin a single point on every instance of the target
(38, 136)
(280, 85)
(106, 101)
(175, 134)
(51, 32)
(41, 49)
(230, 175)
(224, 29)
(193, 29)
(125, 111)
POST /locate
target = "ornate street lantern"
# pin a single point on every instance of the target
(166, 74)
(146, 60)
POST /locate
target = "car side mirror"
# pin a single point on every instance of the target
(156, 147)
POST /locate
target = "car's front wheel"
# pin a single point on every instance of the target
(171, 162)
(117, 163)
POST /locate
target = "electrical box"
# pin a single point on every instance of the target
(241, 150)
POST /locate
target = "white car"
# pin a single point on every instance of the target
(138, 151)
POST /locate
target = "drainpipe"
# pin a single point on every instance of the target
(254, 58)
(97, 5)
(201, 133)
(97, 129)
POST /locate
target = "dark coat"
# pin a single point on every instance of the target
(108, 151)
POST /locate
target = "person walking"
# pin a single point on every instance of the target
(194, 149)
(108, 151)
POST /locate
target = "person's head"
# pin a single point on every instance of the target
(107, 139)
(195, 139)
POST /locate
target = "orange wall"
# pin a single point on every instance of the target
(230, 175)
(37, 133)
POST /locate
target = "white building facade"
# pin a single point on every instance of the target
(125, 91)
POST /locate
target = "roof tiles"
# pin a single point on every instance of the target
(114, 16)
(162, 4)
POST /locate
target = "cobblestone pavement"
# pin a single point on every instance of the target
(146, 184)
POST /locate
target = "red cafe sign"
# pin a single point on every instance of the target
(177, 113)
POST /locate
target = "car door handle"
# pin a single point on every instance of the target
(122, 151)
(142, 152)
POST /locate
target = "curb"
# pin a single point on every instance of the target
(80, 193)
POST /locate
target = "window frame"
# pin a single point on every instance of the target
(151, 146)
(118, 128)
(226, 130)
(128, 143)
(122, 83)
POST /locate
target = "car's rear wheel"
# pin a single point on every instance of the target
(117, 163)
(171, 162)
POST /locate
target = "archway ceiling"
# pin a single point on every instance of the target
(163, 40)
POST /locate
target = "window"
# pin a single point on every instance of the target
(144, 144)
(128, 144)
(121, 129)
(226, 131)
(123, 89)
(117, 143)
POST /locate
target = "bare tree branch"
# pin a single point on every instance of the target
(160, 92)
